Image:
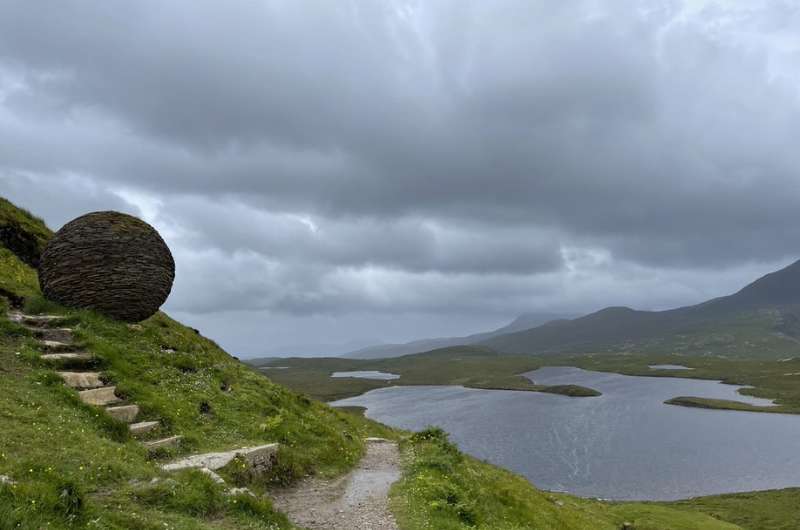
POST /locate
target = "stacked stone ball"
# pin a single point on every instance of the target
(110, 262)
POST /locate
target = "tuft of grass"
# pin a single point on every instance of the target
(774, 510)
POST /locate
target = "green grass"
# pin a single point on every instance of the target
(717, 404)
(469, 366)
(51, 443)
(749, 335)
(773, 510)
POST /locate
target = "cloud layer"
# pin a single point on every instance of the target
(381, 161)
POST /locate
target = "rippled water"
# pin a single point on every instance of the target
(625, 444)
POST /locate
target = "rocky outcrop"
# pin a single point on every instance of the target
(22, 243)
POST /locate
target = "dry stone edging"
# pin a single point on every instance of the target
(260, 458)
(60, 349)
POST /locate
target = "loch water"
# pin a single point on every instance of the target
(624, 445)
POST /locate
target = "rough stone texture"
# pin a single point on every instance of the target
(67, 357)
(259, 458)
(53, 334)
(110, 262)
(124, 413)
(82, 379)
(99, 396)
(172, 441)
(143, 427)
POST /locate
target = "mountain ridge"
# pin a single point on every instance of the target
(775, 295)
(381, 351)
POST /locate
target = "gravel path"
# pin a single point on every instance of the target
(358, 500)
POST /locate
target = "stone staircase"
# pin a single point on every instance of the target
(76, 367)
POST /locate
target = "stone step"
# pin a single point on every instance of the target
(69, 357)
(53, 334)
(124, 413)
(56, 346)
(260, 458)
(82, 379)
(37, 321)
(172, 441)
(143, 427)
(99, 396)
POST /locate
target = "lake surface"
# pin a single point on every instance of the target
(367, 374)
(626, 444)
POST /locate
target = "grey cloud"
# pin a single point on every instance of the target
(450, 156)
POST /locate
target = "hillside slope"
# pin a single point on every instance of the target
(761, 320)
(66, 464)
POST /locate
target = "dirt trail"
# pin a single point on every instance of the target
(358, 500)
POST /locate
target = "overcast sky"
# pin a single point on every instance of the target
(360, 171)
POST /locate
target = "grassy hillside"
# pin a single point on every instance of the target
(522, 322)
(73, 466)
(759, 321)
(64, 464)
(471, 366)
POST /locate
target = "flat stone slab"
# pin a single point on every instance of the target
(81, 379)
(57, 334)
(124, 413)
(172, 441)
(57, 346)
(143, 427)
(100, 396)
(69, 356)
(260, 458)
(35, 320)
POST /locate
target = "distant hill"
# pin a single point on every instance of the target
(762, 319)
(522, 322)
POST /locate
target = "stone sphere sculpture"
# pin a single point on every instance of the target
(110, 262)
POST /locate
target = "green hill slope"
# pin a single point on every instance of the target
(761, 320)
(65, 464)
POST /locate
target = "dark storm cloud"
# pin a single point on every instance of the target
(322, 156)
